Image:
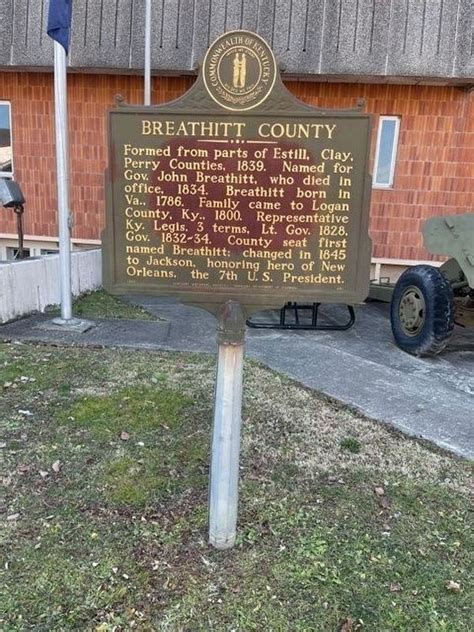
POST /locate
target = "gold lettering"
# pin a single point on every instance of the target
(207, 129)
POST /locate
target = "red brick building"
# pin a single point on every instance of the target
(422, 160)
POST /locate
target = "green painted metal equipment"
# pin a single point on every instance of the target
(453, 236)
(426, 301)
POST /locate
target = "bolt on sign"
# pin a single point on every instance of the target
(238, 191)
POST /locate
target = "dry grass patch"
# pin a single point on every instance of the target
(105, 460)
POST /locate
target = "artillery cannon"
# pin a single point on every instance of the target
(426, 301)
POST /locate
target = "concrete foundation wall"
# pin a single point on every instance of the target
(33, 284)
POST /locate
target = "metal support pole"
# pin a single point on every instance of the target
(62, 174)
(66, 320)
(19, 225)
(147, 67)
(224, 479)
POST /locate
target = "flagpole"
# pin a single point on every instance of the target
(62, 171)
(58, 28)
(147, 65)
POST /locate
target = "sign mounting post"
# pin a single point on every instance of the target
(224, 479)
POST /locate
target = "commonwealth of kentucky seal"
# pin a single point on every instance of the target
(239, 70)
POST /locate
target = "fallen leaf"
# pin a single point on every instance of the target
(13, 517)
(384, 502)
(347, 625)
(56, 466)
(124, 435)
(453, 586)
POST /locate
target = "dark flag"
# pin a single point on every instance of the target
(59, 21)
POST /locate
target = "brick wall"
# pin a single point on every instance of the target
(32, 102)
(434, 172)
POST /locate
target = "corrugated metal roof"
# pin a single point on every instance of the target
(372, 38)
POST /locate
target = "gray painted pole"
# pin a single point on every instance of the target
(147, 69)
(224, 478)
(62, 175)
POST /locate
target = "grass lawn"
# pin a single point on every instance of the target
(343, 524)
(101, 304)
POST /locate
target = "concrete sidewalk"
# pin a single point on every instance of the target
(430, 398)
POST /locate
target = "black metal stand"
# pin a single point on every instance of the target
(19, 209)
(306, 323)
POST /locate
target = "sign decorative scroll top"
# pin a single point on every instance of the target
(238, 191)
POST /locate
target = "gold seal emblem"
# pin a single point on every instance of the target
(239, 70)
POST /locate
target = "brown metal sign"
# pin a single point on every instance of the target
(238, 191)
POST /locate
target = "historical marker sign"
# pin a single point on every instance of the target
(238, 191)
(236, 197)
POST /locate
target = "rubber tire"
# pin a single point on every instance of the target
(438, 324)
